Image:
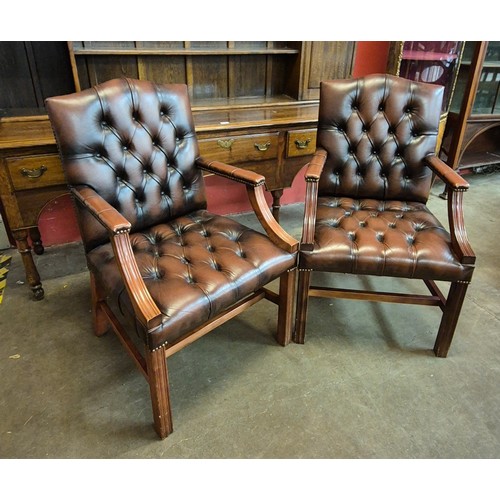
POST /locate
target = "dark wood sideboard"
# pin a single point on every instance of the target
(274, 141)
(255, 105)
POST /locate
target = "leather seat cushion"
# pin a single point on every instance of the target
(384, 238)
(194, 267)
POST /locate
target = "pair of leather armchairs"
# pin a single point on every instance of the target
(163, 266)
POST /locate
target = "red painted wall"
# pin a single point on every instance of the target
(371, 57)
(57, 221)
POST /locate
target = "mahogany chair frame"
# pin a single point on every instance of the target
(153, 363)
(450, 306)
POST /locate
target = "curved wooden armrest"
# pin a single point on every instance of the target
(315, 166)
(275, 232)
(450, 177)
(255, 190)
(145, 308)
(234, 173)
(312, 175)
(456, 186)
(107, 215)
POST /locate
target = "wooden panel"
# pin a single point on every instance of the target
(53, 68)
(210, 77)
(325, 61)
(103, 68)
(35, 171)
(247, 76)
(162, 70)
(330, 60)
(301, 143)
(240, 148)
(17, 89)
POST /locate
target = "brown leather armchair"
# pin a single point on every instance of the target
(161, 264)
(366, 193)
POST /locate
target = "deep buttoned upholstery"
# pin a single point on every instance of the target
(367, 189)
(382, 238)
(161, 264)
(134, 144)
(377, 131)
(194, 267)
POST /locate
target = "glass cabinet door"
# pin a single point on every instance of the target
(432, 62)
(487, 99)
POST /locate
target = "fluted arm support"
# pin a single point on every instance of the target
(455, 187)
(312, 175)
(255, 184)
(118, 228)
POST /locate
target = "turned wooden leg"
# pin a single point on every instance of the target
(32, 276)
(160, 395)
(302, 302)
(36, 240)
(100, 321)
(449, 321)
(285, 306)
(277, 194)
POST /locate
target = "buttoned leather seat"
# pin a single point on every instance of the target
(160, 263)
(366, 199)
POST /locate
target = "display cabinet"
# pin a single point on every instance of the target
(472, 136)
(255, 105)
(428, 61)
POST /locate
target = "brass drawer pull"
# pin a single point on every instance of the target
(34, 173)
(262, 146)
(302, 144)
(225, 143)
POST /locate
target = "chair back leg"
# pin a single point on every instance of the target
(302, 303)
(286, 307)
(100, 321)
(160, 392)
(449, 321)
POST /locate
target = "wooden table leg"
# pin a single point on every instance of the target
(36, 239)
(277, 194)
(32, 276)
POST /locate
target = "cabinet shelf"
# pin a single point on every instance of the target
(486, 64)
(416, 55)
(244, 102)
(182, 52)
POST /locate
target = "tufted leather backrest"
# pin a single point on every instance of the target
(377, 130)
(134, 143)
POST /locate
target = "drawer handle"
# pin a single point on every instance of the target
(262, 146)
(302, 144)
(34, 173)
(225, 143)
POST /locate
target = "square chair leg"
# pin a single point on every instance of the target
(160, 393)
(449, 321)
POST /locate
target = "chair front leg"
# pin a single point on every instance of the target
(302, 303)
(449, 321)
(100, 321)
(285, 306)
(160, 392)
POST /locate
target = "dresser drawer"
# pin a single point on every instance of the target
(35, 171)
(301, 142)
(240, 148)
